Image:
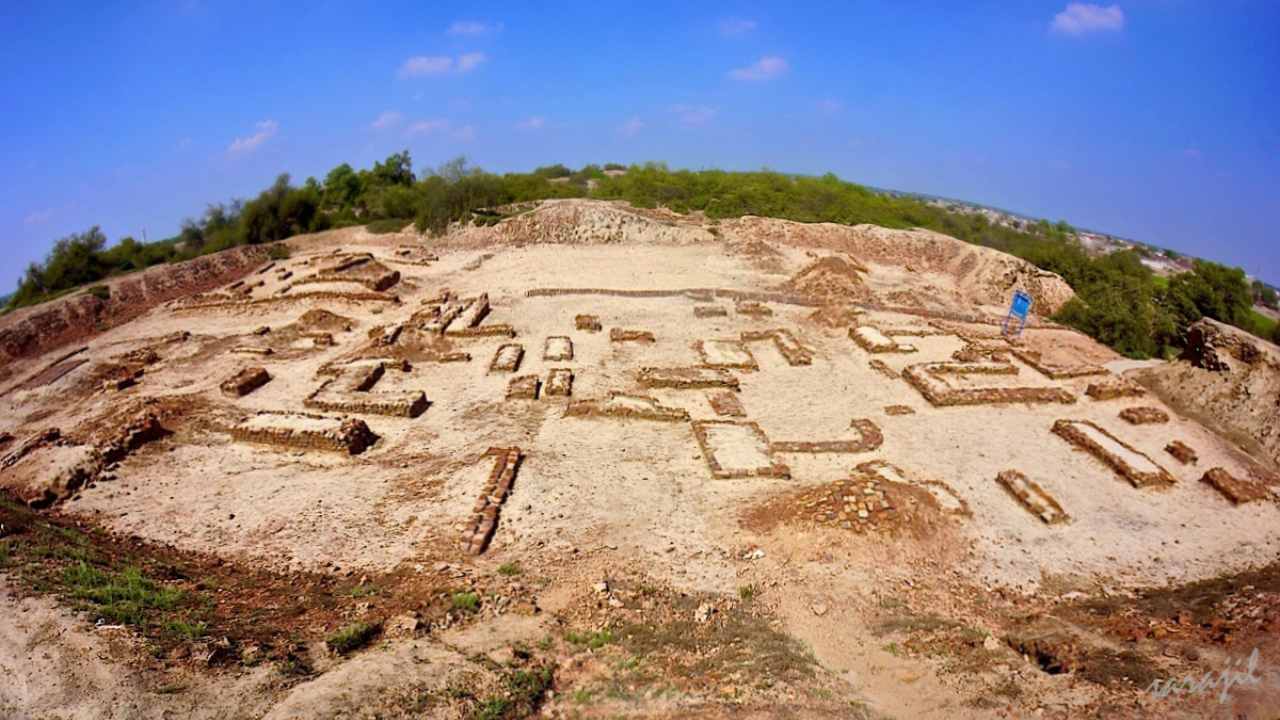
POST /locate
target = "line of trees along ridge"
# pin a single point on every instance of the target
(1119, 300)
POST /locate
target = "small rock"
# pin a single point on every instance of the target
(704, 612)
(819, 609)
(990, 643)
(602, 587)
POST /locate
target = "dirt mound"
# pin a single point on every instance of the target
(322, 320)
(587, 222)
(831, 278)
(35, 330)
(983, 275)
(1229, 381)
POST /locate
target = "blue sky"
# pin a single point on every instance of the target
(1157, 120)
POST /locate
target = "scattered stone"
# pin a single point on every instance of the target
(1182, 452)
(1144, 415)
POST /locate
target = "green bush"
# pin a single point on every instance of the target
(390, 225)
(102, 292)
(352, 637)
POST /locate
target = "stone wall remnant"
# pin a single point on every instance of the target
(1132, 464)
(622, 335)
(557, 348)
(507, 358)
(305, 431)
(1234, 489)
(245, 381)
(687, 378)
(523, 387)
(736, 449)
(1144, 415)
(622, 405)
(927, 378)
(483, 522)
(869, 438)
(559, 383)
(1031, 496)
(1182, 452)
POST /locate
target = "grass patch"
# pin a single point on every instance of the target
(595, 640)
(390, 225)
(466, 601)
(524, 694)
(4, 553)
(746, 592)
(352, 637)
(125, 597)
(509, 569)
(187, 630)
(362, 591)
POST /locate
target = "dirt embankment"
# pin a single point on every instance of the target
(35, 330)
(1230, 382)
(982, 275)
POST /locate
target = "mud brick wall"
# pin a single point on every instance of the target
(726, 404)
(49, 436)
(922, 378)
(774, 469)
(246, 381)
(1234, 489)
(377, 283)
(751, 308)
(1056, 372)
(1144, 415)
(791, 349)
(872, 347)
(474, 312)
(869, 438)
(1182, 452)
(1113, 388)
(294, 297)
(621, 335)
(709, 311)
(1069, 430)
(478, 532)
(507, 358)
(352, 437)
(1031, 496)
(523, 387)
(650, 410)
(499, 330)
(749, 363)
(559, 382)
(687, 378)
(587, 323)
(407, 404)
(557, 348)
(898, 410)
(883, 368)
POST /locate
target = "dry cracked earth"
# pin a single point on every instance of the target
(596, 461)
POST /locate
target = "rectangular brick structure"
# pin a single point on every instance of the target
(479, 530)
(587, 323)
(1031, 496)
(559, 383)
(726, 404)
(557, 348)
(873, 341)
(1234, 489)
(737, 450)
(927, 378)
(752, 308)
(1144, 415)
(621, 405)
(1182, 452)
(1114, 387)
(709, 311)
(621, 335)
(308, 432)
(523, 387)
(1130, 463)
(692, 378)
(869, 438)
(507, 358)
(791, 349)
(726, 354)
(1056, 372)
(245, 382)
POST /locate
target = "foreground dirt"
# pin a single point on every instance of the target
(771, 491)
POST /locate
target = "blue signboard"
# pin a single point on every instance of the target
(1021, 305)
(1018, 311)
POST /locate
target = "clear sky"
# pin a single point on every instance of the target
(1157, 120)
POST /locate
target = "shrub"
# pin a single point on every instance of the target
(352, 637)
(390, 225)
(466, 601)
(278, 251)
(102, 292)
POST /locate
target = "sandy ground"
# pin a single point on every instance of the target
(641, 489)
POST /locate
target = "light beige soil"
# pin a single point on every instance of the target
(638, 492)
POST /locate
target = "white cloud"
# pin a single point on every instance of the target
(426, 65)
(1083, 18)
(466, 133)
(694, 115)
(266, 129)
(533, 122)
(470, 61)
(769, 66)
(422, 65)
(426, 127)
(736, 26)
(472, 28)
(38, 217)
(388, 119)
(631, 127)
